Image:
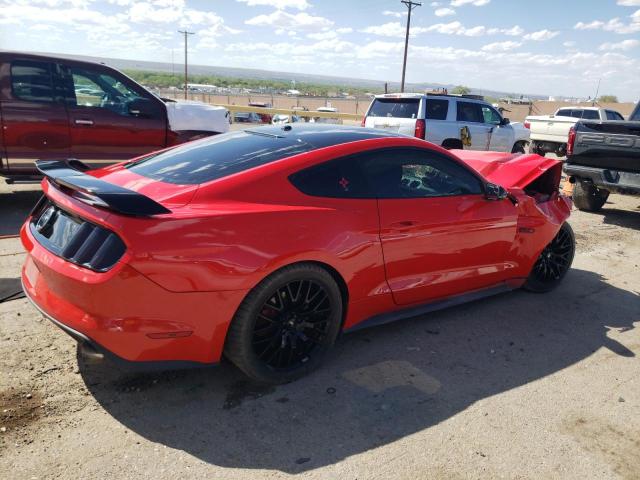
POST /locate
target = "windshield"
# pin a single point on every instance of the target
(395, 107)
(635, 116)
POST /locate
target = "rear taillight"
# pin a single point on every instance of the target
(527, 125)
(364, 121)
(570, 141)
(421, 128)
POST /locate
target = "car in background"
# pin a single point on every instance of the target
(264, 117)
(549, 133)
(53, 108)
(282, 119)
(452, 121)
(262, 245)
(603, 157)
(246, 117)
(334, 121)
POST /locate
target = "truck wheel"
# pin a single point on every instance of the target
(453, 144)
(535, 148)
(519, 147)
(589, 198)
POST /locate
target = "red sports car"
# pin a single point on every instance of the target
(263, 245)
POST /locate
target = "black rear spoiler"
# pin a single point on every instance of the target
(69, 174)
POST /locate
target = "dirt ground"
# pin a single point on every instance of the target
(519, 386)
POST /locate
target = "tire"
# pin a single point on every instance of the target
(453, 143)
(588, 197)
(519, 147)
(553, 263)
(286, 325)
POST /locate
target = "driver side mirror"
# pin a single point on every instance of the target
(505, 121)
(494, 192)
(141, 107)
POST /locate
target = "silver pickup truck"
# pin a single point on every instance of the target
(603, 157)
(452, 121)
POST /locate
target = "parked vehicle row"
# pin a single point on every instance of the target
(56, 108)
(452, 121)
(549, 133)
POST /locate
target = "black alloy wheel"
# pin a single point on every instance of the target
(286, 324)
(554, 262)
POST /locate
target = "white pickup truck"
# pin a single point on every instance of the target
(453, 121)
(549, 133)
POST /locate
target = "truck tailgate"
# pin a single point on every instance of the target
(607, 145)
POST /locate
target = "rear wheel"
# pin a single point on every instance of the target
(286, 325)
(519, 147)
(588, 197)
(453, 144)
(553, 263)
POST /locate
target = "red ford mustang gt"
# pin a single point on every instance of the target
(263, 245)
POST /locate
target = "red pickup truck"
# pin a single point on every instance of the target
(57, 108)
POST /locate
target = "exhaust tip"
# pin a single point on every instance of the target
(90, 353)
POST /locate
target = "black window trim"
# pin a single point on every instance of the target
(483, 182)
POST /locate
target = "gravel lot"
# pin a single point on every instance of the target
(517, 386)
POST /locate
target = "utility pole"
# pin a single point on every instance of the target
(186, 82)
(410, 5)
(595, 99)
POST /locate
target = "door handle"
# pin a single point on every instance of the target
(81, 121)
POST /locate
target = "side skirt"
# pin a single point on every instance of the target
(416, 311)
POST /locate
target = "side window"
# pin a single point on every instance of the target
(339, 178)
(591, 115)
(470, 112)
(565, 112)
(101, 90)
(436, 109)
(491, 116)
(32, 81)
(416, 173)
(611, 115)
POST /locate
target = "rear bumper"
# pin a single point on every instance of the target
(123, 315)
(612, 180)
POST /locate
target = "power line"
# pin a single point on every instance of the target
(410, 5)
(186, 78)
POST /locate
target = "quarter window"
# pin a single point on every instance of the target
(590, 115)
(414, 173)
(339, 178)
(32, 81)
(612, 115)
(470, 112)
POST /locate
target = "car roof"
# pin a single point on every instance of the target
(222, 155)
(321, 135)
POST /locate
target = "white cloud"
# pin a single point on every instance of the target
(501, 46)
(513, 31)
(541, 35)
(298, 21)
(629, 3)
(570, 44)
(457, 28)
(344, 30)
(614, 25)
(443, 12)
(278, 4)
(477, 3)
(392, 29)
(435, 4)
(390, 13)
(624, 45)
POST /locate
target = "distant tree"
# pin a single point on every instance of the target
(608, 99)
(461, 90)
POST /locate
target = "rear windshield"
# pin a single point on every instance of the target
(217, 157)
(395, 107)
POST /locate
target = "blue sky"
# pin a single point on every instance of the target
(555, 47)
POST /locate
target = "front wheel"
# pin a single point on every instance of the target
(553, 263)
(286, 325)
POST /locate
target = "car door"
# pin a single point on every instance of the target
(440, 236)
(110, 117)
(501, 137)
(469, 115)
(34, 116)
